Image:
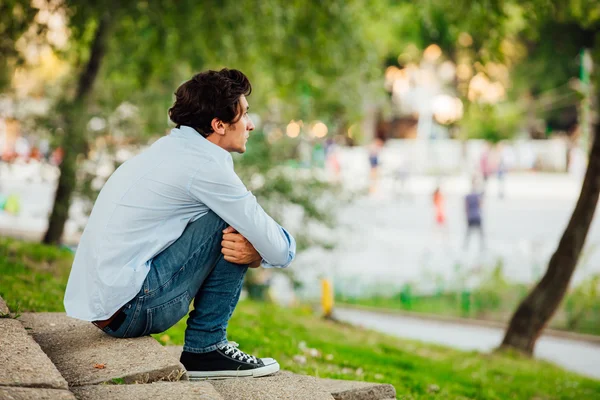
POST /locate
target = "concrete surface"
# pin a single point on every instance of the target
(22, 361)
(20, 393)
(157, 390)
(355, 390)
(282, 385)
(174, 351)
(86, 356)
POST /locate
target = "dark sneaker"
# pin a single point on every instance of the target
(226, 362)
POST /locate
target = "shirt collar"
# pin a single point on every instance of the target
(189, 133)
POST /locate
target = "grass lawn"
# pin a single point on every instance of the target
(33, 277)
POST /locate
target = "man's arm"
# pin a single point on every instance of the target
(217, 186)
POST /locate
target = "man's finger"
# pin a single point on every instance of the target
(238, 246)
(228, 244)
(233, 237)
(230, 252)
(229, 229)
(231, 259)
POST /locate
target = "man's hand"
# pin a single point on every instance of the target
(238, 250)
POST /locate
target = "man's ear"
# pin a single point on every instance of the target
(218, 126)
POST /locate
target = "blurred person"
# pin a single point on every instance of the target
(401, 175)
(332, 161)
(438, 203)
(57, 156)
(45, 149)
(23, 148)
(175, 224)
(35, 155)
(473, 205)
(374, 152)
(501, 172)
(485, 163)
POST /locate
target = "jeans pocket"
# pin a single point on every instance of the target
(164, 316)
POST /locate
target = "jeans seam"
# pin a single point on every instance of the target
(166, 284)
(149, 311)
(234, 299)
(136, 313)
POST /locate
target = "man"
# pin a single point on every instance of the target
(473, 202)
(175, 223)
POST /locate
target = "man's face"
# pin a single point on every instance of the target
(236, 134)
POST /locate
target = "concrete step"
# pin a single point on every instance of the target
(22, 361)
(283, 385)
(357, 390)
(20, 393)
(339, 389)
(84, 355)
(182, 390)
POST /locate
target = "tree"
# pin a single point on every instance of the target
(16, 16)
(142, 50)
(489, 21)
(73, 141)
(536, 310)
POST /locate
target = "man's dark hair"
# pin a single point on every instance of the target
(208, 95)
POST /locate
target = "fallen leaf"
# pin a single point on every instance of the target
(99, 366)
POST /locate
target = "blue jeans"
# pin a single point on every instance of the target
(191, 268)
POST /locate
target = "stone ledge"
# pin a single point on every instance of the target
(157, 390)
(283, 385)
(357, 390)
(339, 389)
(20, 393)
(22, 361)
(87, 356)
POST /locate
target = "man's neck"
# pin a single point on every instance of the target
(215, 139)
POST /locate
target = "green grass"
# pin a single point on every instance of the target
(417, 370)
(33, 277)
(489, 305)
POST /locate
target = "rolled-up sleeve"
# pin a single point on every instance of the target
(217, 186)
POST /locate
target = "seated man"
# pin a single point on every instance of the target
(175, 223)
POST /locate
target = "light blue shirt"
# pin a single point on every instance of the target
(145, 206)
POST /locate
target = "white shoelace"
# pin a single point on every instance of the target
(232, 347)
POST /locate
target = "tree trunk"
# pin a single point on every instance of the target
(537, 308)
(73, 142)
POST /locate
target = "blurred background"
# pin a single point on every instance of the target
(383, 129)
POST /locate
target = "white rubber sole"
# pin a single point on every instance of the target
(271, 366)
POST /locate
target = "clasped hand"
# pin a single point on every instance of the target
(238, 250)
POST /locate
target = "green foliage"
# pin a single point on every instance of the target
(493, 123)
(300, 57)
(33, 276)
(16, 16)
(582, 306)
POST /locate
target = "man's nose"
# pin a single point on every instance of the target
(250, 126)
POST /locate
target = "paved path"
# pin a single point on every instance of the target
(581, 357)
